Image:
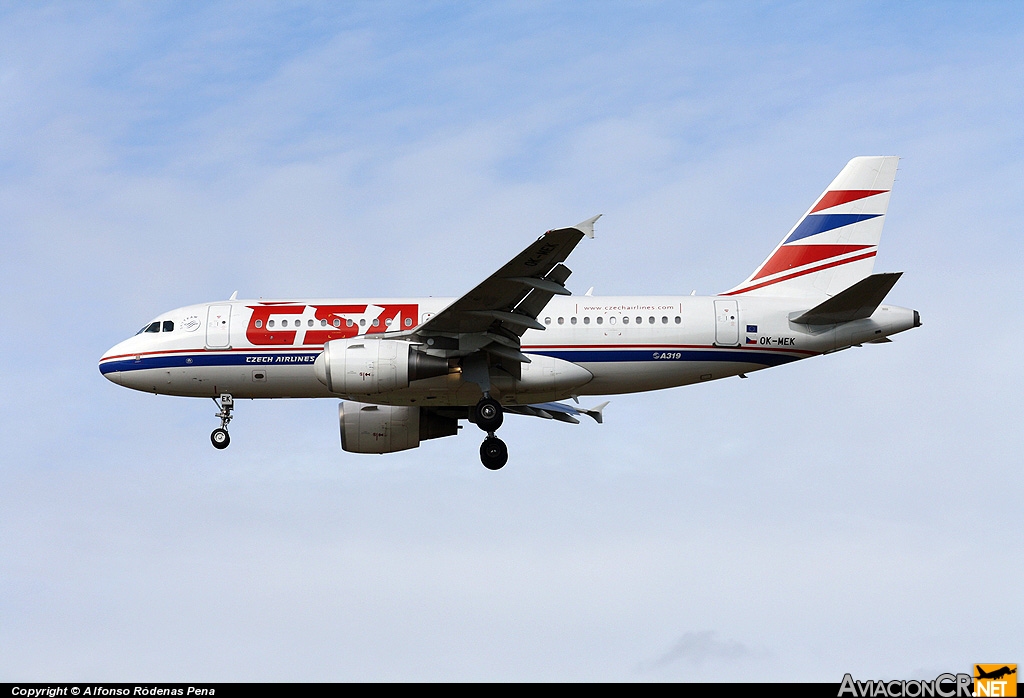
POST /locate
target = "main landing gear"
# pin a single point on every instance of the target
(220, 437)
(488, 415)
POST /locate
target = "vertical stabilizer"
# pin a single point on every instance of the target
(833, 245)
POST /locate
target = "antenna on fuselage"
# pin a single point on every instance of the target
(234, 296)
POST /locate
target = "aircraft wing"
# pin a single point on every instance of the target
(494, 315)
(498, 300)
(559, 411)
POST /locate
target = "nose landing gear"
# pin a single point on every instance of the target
(488, 415)
(220, 436)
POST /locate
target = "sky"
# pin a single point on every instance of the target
(857, 513)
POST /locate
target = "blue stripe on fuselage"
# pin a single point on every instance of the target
(192, 360)
(572, 355)
(583, 356)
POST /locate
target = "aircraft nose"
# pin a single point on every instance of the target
(108, 368)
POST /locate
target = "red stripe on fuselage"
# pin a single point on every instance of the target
(199, 350)
(553, 347)
(532, 347)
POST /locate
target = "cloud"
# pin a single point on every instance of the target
(698, 649)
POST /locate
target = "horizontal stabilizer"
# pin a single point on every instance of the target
(855, 303)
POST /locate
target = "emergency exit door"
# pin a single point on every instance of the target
(727, 323)
(218, 327)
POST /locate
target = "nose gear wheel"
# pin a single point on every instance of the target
(220, 438)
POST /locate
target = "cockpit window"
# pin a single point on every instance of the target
(153, 327)
(168, 326)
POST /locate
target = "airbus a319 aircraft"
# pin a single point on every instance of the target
(410, 369)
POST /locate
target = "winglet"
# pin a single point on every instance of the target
(596, 412)
(587, 226)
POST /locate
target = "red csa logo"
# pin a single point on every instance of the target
(271, 323)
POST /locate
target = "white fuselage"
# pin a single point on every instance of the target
(590, 346)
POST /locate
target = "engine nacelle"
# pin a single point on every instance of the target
(370, 366)
(387, 428)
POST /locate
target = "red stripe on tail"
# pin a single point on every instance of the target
(844, 196)
(791, 256)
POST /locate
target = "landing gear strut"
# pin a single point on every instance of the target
(220, 437)
(488, 415)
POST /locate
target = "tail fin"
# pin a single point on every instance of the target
(833, 245)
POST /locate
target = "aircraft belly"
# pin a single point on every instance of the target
(239, 381)
(612, 378)
(639, 376)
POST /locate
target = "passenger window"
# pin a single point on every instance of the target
(323, 323)
(650, 320)
(284, 323)
(376, 322)
(625, 321)
(611, 320)
(153, 327)
(168, 326)
(679, 320)
(336, 322)
(600, 320)
(561, 321)
(348, 322)
(309, 324)
(664, 320)
(573, 319)
(408, 322)
(270, 323)
(259, 324)
(586, 320)
(362, 322)
(639, 320)
(547, 321)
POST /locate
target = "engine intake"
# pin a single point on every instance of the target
(387, 428)
(371, 366)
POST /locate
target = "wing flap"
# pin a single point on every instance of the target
(559, 411)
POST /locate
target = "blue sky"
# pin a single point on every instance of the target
(830, 516)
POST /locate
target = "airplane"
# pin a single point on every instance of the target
(410, 369)
(994, 674)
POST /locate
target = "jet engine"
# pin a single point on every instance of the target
(387, 428)
(370, 366)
